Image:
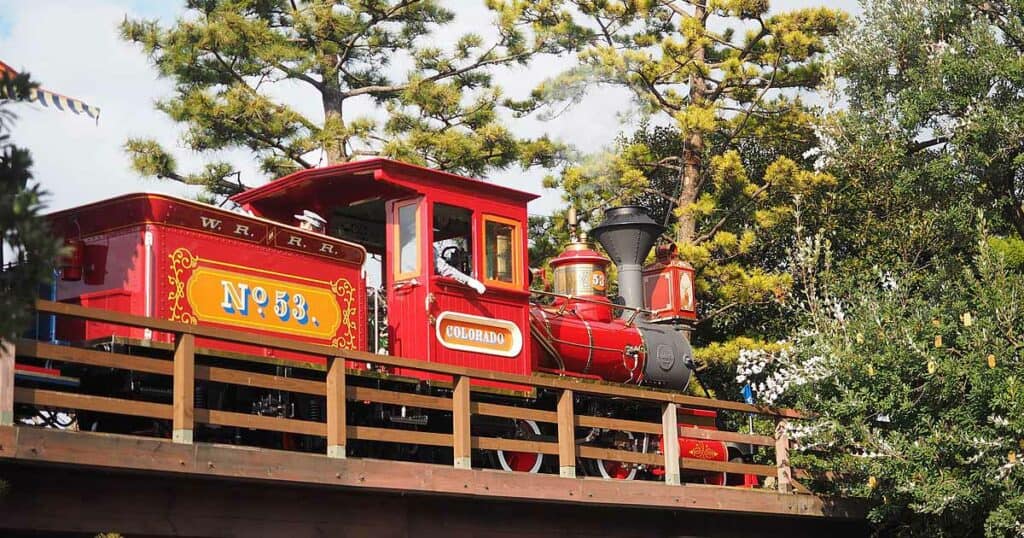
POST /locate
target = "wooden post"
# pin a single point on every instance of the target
(461, 439)
(184, 388)
(670, 436)
(6, 383)
(336, 425)
(785, 472)
(566, 436)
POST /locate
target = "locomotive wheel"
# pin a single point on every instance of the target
(617, 470)
(715, 479)
(523, 462)
(734, 479)
(726, 479)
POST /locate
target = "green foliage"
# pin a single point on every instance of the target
(907, 346)
(721, 92)
(1010, 249)
(726, 165)
(917, 397)
(933, 129)
(24, 232)
(231, 59)
(548, 235)
(149, 159)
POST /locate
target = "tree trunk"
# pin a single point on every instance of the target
(334, 149)
(999, 177)
(693, 147)
(1014, 212)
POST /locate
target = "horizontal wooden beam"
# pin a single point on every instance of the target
(541, 381)
(85, 402)
(92, 357)
(391, 435)
(96, 450)
(257, 422)
(727, 437)
(619, 424)
(265, 381)
(366, 394)
(510, 411)
(143, 504)
(726, 467)
(625, 456)
(691, 464)
(515, 445)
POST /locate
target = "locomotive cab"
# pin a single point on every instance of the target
(451, 255)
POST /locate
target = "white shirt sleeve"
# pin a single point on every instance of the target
(445, 269)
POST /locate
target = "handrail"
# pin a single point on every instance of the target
(185, 371)
(588, 386)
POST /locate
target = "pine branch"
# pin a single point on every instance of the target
(732, 212)
(395, 88)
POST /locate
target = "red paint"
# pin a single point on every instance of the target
(611, 350)
(417, 297)
(699, 449)
(595, 306)
(115, 231)
(669, 287)
(18, 367)
(71, 262)
(94, 262)
(131, 260)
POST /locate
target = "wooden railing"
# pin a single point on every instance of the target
(184, 415)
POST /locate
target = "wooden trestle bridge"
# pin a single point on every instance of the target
(71, 481)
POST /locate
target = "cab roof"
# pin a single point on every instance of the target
(316, 186)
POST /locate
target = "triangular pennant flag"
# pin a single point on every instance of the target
(48, 98)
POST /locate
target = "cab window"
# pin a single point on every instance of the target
(502, 244)
(408, 263)
(453, 237)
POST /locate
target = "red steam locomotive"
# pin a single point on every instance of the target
(451, 253)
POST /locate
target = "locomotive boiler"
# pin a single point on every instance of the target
(579, 333)
(449, 256)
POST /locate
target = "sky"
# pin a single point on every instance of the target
(72, 47)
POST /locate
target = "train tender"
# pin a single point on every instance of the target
(451, 255)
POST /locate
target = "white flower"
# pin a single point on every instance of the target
(999, 421)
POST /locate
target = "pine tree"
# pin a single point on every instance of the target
(230, 58)
(722, 157)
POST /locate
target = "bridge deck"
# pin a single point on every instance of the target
(38, 445)
(35, 459)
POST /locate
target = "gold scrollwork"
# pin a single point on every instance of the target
(181, 260)
(703, 452)
(346, 293)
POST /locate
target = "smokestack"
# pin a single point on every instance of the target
(628, 234)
